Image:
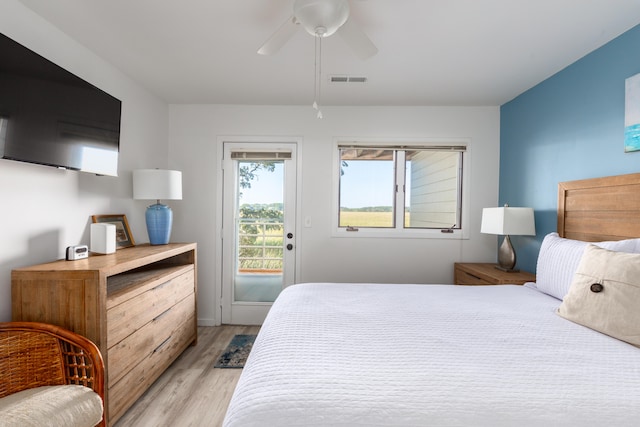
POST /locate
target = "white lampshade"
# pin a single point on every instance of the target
(156, 184)
(508, 221)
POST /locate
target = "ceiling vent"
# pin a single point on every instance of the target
(347, 79)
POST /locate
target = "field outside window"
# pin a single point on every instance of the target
(425, 183)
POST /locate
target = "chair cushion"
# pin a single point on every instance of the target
(63, 405)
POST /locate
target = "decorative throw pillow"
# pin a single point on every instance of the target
(559, 258)
(605, 294)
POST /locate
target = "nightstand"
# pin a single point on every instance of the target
(487, 274)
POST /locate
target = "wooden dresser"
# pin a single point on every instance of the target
(138, 305)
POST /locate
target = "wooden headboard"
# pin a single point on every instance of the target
(600, 208)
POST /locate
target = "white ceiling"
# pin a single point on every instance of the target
(431, 52)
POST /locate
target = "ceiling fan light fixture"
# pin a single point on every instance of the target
(321, 18)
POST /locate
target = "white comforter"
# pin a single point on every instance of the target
(432, 355)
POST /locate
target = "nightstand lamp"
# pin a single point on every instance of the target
(156, 184)
(508, 221)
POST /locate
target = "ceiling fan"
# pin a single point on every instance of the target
(322, 18)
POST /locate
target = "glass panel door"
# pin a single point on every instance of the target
(260, 231)
(258, 228)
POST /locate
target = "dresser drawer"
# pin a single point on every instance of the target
(145, 340)
(132, 314)
(146, 370)
(464, 278)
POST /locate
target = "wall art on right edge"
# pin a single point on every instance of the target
(632, 114)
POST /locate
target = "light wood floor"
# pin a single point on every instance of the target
(191, 392)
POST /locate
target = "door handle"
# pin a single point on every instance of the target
(289, 246)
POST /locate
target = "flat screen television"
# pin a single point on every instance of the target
(52, 117)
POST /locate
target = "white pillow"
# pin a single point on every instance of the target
(605, 294)
(559, 258)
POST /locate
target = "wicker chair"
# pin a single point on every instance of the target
(36, 354)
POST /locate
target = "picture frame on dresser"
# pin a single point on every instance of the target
(124, 238)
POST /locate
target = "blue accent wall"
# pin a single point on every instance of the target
(570, 126)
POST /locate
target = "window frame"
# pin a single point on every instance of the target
(399, 231)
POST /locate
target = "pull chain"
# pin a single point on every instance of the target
(317, 84)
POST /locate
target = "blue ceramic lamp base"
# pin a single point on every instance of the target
(159, 220)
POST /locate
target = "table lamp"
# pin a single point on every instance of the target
(508, 221)
(156, 184)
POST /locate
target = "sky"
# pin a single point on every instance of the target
(266, 188)
(367, 183)
(363, 184)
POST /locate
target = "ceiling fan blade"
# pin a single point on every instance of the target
(357, 39)
(280, 37)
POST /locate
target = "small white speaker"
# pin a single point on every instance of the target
(103, 238)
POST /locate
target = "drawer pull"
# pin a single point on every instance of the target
(160, 286)
(159, 316)
(475, 277)
(162, 344)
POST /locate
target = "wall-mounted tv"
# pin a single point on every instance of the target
(52, 117)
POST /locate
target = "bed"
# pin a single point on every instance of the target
(333, 354)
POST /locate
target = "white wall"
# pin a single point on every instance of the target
(43, 209)
(193, 134)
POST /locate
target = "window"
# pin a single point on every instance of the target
(400, 189)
